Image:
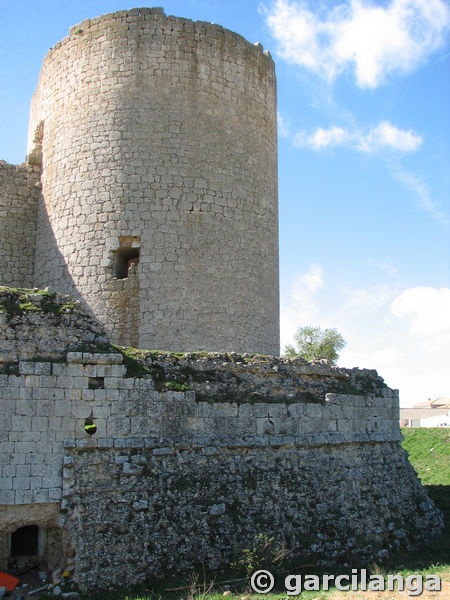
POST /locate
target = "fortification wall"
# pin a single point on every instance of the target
(19, 193)
(161, 511)
(160, 138)
(250, 444)
(49, 402)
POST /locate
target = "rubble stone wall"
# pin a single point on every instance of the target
(191, 455)
(19, 193)
(156, 511)
(159, 133)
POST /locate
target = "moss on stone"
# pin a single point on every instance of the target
(15, 301)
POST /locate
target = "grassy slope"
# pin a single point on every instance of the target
(429, 453)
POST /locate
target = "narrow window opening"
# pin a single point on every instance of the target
(125, 259)
(25, 541)
(96, 383)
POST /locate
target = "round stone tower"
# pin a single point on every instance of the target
(159, 181)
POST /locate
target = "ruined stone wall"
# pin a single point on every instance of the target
(160, 134)
(48, 402)
(161, 511)
(197, 452)
(19, 193)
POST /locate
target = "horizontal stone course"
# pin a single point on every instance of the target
(47, 406)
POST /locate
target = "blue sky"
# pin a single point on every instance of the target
(364, 155)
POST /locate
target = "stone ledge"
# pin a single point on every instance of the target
(271, 441)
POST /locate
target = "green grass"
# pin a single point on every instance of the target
(429, 453)
(14, 301)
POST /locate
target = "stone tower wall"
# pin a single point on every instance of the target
(160, 134)
(18, 210)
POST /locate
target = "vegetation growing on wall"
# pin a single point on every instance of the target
(14, 301)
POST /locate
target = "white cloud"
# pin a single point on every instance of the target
(422, 192)
(428, 311)
(311, 281)
(386, 135)
(372, 40)
(384, 266)
(386, 357)
(383, 136)
(323, 138)
(299, 305)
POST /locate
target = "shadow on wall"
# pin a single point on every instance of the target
(438, 552)
(50, 268)
(120, 313)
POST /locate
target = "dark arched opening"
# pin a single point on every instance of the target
(25, 541)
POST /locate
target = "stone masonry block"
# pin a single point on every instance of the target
(313, 410)
(118, 426)
(21, 423)
(195, 424)
(5, 424)
(296, 410)
(42, 368)
(63, 408)
(245, 410)
(39, 424)
(59, 369)
(217, 409)
(111, 383)
(100, 395)
(74, 357)
(345, 426)
(7, 496)
(26, 368)
(75, 370)
(54, 494)
(40, 495)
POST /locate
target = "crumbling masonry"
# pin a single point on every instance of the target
(150, 191)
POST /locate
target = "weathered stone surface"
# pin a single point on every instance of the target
(174, 154)
(140, 463)
(304, 451)
(45, 325)
(19, 195)
(191, 511)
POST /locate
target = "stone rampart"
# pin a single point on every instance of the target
(49, 402)
(156, 511)
(197, 452)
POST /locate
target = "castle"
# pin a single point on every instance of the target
(153, 143)
(150, 194)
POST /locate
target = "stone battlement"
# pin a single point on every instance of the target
(139, 16)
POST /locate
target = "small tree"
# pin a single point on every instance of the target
(313, 343)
